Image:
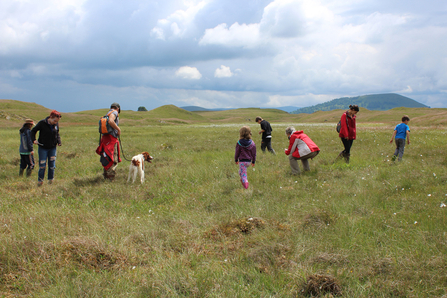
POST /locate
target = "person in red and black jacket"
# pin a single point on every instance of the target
(301, 147)
(348, 131)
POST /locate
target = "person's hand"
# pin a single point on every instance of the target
(119, 131)
(237, 162)
(32, 152)
(391, 141)
(260, 132)
(253, 165)
(35, 142)
(408, 142)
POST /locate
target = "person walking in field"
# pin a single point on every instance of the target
(266, 131)
(348, 131)
(26, 149)
(401, 132)
(108, 147)
(301, 147)
(48, 141)
(245, 154)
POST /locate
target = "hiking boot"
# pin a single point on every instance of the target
(50, 181)
(340, 156)
(347, 156)
(21, 172)
(393, 158)
(29, 172)
(39, 183)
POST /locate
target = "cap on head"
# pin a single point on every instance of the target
(29, 121)
(116, 105)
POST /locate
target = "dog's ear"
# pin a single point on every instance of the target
(147, 157)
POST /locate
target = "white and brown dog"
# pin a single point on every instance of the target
(137, 166)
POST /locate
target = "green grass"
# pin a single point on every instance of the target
(374, 226)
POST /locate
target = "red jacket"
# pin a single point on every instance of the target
(107, 147)
(347, 132)
(300, 145)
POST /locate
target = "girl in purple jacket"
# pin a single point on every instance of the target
(245, 153)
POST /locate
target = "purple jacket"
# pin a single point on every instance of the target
(245, 151)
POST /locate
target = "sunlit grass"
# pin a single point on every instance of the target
(376, 226)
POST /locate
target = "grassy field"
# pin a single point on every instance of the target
(372, 228)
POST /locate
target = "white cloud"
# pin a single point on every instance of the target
(187, 72)
(178, 23)
(236, 36)
(223, 72)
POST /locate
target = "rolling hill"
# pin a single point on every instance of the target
(377, 102)
(12, 114)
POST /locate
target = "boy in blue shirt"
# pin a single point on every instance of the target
(401, 132)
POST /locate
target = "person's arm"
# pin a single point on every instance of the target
(253, 152)
(236, 153)
(34, 130)
(58, 137)
(112, 123)
(344, 133)
(394, 134)
(408, 137)
(291, 144)
(29, 141)
(262, 127)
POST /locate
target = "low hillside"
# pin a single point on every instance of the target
(12, 114)
(249, 114)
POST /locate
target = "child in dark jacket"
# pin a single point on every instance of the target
(26, 148)
(245, 153)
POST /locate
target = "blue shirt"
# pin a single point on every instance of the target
(401, 131)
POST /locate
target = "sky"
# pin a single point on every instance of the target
(75, 55)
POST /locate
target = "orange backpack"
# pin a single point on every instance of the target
(104, 126)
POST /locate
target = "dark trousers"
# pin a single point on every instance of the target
(267, 143)
(348, 144)
(26, 161)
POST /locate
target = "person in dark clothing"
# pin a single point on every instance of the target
(26, 148)
(266, 131)
(348, 131)
(48, 141)
(245, 154)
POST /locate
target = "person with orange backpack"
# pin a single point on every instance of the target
(109, 148)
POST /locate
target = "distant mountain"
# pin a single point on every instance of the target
(379, 102)
(287, 109)
(200, 109)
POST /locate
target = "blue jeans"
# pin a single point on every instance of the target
(44, 155)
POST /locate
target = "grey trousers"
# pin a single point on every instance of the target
(304, 160)
(400, 146)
